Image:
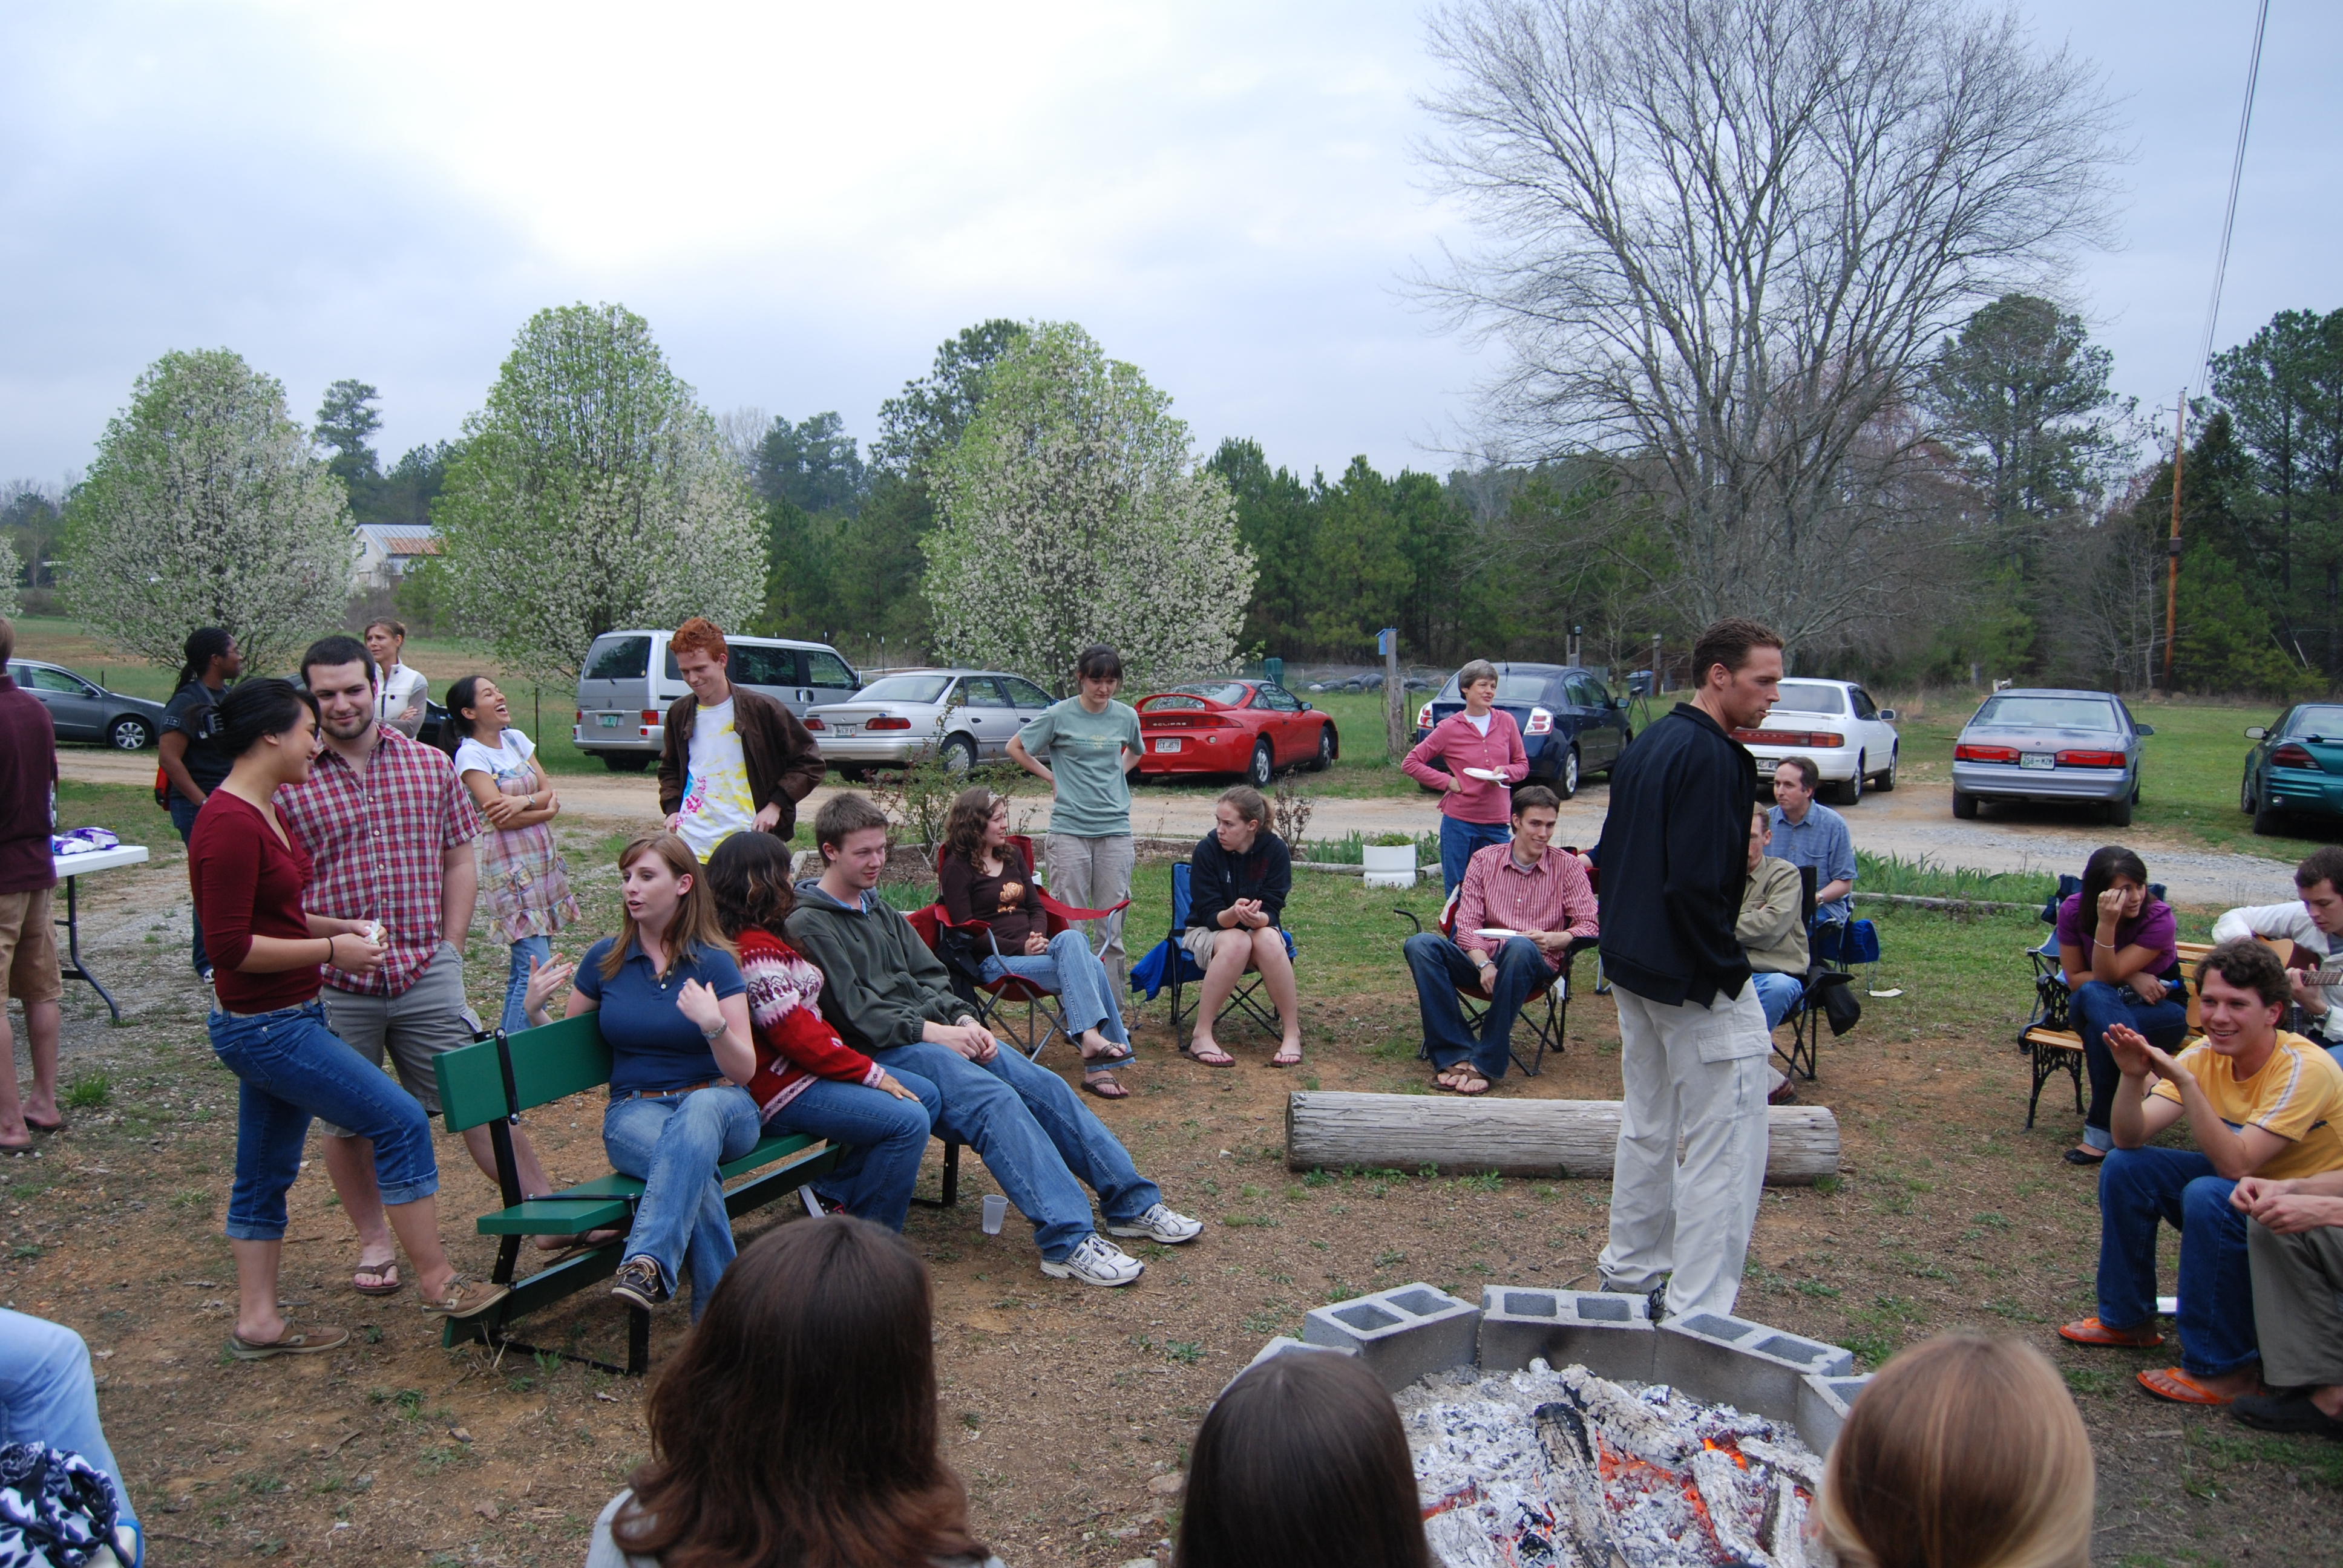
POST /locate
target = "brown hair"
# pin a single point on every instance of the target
(964, 827)
(694, 926)
(1302, 1463)
(2324, 864)
(396, 629)
(1529, 795)
(749, 877)
(844, 813)
(1964, 1452)
(797, 1421)
(1808, 774)
(1098, 662)
(2245, 963)
(1728, 642)
(698, 635)
(1251, 807)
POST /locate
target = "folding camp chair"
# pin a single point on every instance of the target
(965, 948)
(1807, 1014)
(1545, 1026)
(1167, 964)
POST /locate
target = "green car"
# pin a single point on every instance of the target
(2296, 765)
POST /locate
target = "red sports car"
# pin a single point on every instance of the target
(1251, 728)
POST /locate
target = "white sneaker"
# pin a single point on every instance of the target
(1096, 1261)
(1161, 1224)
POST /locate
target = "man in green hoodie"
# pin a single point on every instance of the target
(892, 998)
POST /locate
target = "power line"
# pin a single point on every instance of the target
(2229, 222)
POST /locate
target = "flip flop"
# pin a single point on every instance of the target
(1455, 1084)
(308, 1342)
(1104, 1086)
(57, 1126)
(464, 1299)
(1113, 1055)
(567, 1247)
(387, 1281)
(2172, 1383)
(2091, 1331)
(1285, 1058)
(1218, 1058)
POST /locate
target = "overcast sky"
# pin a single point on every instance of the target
(805, 200)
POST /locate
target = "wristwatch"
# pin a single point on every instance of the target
(715, 1031)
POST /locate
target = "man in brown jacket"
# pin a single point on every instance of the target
(734, 761)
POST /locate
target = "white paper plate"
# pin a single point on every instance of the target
(1495, 931)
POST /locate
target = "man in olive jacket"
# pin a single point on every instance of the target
(1693, 1039)
(732, 760)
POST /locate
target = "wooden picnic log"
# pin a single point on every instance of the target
(1537, 1137)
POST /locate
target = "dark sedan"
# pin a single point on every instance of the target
(1570, 725)
(2296, 765)
(84, 710)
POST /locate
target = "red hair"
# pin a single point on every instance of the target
(698, 635)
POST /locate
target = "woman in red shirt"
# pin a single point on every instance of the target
(1482, 749)
(807, 1079)
(248, 872)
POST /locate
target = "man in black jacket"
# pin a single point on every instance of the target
(1692, 1033)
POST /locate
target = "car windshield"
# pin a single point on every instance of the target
(2050, 713)
(904, 689)
(1810, 697)
(1227, 691)
(2322, 721)
(1510, 688)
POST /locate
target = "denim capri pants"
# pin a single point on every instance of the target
(291, 1069)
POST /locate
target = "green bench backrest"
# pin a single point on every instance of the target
(562, 1059)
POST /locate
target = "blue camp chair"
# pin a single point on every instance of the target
(1168, 965)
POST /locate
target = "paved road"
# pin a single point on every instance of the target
(1916, 820)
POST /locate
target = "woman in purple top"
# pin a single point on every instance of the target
(2120, 948)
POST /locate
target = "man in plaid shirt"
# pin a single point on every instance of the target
(389, 834)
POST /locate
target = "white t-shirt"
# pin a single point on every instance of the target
(716, 799)
(507, 759)
(1480, 722)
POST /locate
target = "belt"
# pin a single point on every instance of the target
(680, 1088)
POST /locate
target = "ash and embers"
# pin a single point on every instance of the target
(1547, 1469)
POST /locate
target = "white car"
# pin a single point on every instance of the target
(1848, 737)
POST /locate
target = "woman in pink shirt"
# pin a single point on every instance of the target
(1474, 811)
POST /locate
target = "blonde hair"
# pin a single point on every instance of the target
(695, 926)
(1965, 1452)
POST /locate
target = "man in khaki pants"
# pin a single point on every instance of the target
(28, 945)
(1693, 1041)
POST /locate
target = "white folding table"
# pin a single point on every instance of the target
(71, 869)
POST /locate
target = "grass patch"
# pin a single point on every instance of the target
(1923, 877)
(89, 1092)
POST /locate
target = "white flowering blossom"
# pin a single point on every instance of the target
(207, 506)
(11, 563)
(594, 493)
(1070, 514)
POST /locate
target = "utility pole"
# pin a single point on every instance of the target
(2172, 567)
(1394, 698)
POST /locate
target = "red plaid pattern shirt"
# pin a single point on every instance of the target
(374, 848)
(1498, 892)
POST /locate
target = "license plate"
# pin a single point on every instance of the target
(607, 721)
(1167, 745)
(2037, 759)
(846, 729)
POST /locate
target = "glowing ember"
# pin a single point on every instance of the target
(1546, 1469)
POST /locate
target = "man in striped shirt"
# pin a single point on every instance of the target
(1539, 899)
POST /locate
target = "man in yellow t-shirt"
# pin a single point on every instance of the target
(2258, 1102)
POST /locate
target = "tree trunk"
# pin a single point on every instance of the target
(1535, 1138)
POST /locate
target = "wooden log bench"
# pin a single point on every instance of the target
(2049, 1041)
(491, 1083)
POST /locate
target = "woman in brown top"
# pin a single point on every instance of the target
(985, 878)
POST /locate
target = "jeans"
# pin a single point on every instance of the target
(1076, 974)
(291, 1067)
(515, 1017)
(1440, 967)
(1458, 841)
(1035, 1137)
(2098, 1004)
(1091, 874)
(674, 1143)
(1777, 994)
(48, 1395)
(2140, 1187)
(183, 818)
(885, 1139)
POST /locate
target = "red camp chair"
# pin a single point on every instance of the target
(965, 948)
(1555, 992)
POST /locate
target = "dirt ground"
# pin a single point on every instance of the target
(1068, 1410)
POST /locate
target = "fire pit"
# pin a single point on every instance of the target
(1566, 1428)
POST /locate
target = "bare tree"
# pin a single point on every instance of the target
(1721, 237)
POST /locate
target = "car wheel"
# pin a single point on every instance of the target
(626, 761)
(1964, 806)
(1566, 783)
(2269, 819)
(958, 754)
(1258, 771)
(2120, 812)
(1852, 790)
(2246, 793)
(128, 734)
(854, 775)
(1325, 750)
(1885, 782)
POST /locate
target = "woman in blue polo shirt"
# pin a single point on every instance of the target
(675, 1014)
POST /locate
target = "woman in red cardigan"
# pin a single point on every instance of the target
(1482, 749)
(807, 1079)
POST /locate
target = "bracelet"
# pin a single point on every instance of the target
(329, 950)
(717, 1033)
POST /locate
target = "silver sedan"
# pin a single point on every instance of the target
(966, 716)
(2029, 744)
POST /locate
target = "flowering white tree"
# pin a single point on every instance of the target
(11, 564)
(593, 493)
(1070, 514)
(207, 506)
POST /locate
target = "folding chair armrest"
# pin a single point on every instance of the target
(1067, 912)
(1409, 916)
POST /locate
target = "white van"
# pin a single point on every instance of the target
(629, 681)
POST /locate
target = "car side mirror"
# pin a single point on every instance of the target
(2145, 728)
(2255, 732)
(1307, 709)
(1886, 715)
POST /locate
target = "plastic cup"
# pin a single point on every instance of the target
(996, 1209)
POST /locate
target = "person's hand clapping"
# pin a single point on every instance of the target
(2130, 1048)
(543, 980)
